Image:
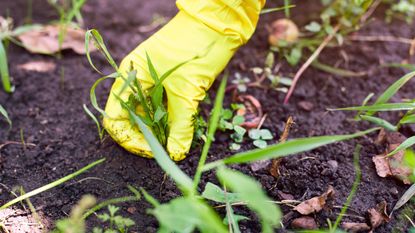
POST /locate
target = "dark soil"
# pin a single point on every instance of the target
(49, 114)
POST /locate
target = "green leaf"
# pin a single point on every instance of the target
(380, 122)
(254, 134)
(185, 214)
(164, 161)
(250, 191)
(240, 131)
(152, 70)
(100, 45)
(260, 143)
(130, 78)
(294, 57)
(313, 27)
(405, 198)
(227, 114)
(379, 107)
(404, 145)
(5, 115)
(93, 96)
(238, 120)
(92, 116)
(159, 114)
(266, 134)
(289, 147)
(4, 70)
(215, 193)
(235, 146)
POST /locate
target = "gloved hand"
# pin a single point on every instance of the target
(219, 26)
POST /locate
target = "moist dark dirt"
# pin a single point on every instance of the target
(46, 109)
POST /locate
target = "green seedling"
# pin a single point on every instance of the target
(152, 101)
(402, 9)
(7, 35)
(231, 122)
(4, 113)
(68, 10)
(367, 112)
(101, 131)
(241, 82)
(260, 137)
(117, 223)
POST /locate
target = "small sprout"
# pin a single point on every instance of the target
(241, 82)
(260, 137)
(313, 27)
(235, 146)
(283, 31)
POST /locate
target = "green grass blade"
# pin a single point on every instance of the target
(109, 202)
(92, 116)
(403, 146)
(213, 125)
(169, 72)
(127, 82)
(5, 115)
(379, 107)
(409, 119)
(391, 91)
(380, 122)
(269, 10)
(150, 199)
(337, 71)
(93, 96)
(4, 70)
(164, 161)
(364, 103)
(96, 37)
(405, 198)
(356, 183)
(51, 185)
(290, 147)
(152, 70)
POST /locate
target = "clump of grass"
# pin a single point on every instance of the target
(152, 100)
(382, 104)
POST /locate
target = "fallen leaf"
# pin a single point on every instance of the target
(355, 227)
(381, 138)
(45, 40)
(304, 223)
(382, 165)
(378, 215)
(38, 66)
(285, 196)
(131, 210)
(306, 105)
(314, 204)
(397, 165)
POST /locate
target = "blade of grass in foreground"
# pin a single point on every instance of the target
(51, 185)
(4, 70)
(213, 124)
(100, 45)
(403, 146)
(5, 115)
(380, 122)
(391, 91)
(287, 148)
(183, 181)
(379, 107)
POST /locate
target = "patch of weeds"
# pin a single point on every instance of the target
(229, 121)
(402, 9)
(382, 104)
(117, 223)
(152, 101)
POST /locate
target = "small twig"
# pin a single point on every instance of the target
(15, 143)
(410, 220)
(309, 61)
(262, 121)
(287, 128)
(370, 11)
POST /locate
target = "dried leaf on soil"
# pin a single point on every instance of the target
(45, 40)
(355, 227)
(378, 215)
(38, 66)
(393, 165)
(304, 223)
(314, 204)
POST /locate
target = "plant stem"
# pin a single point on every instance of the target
(309, 61)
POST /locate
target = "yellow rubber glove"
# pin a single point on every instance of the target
(219, 26)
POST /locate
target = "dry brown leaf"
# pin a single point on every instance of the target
(382, 165)
(393, 165)
(45, 40)
(355, 227)
(378, 215)
(314, 204)
(304, 223)
(38, 66)
(252, 112)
